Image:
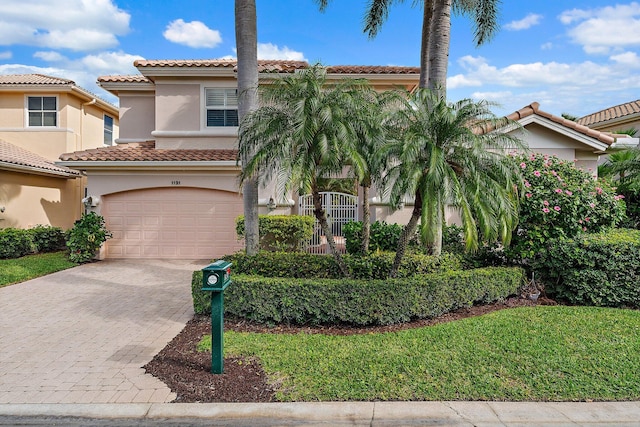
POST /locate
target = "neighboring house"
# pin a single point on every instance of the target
(543, 133)
(169, 189)
(620, 118)
(42, 117)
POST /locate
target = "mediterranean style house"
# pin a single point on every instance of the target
(42, 117)
(169, 187)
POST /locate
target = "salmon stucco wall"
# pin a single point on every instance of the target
(30, 200)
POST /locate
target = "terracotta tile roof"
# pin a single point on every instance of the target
(123, 79)
(33, 79)
(534, 108)
(264, 66)
(12, 155)
(279, 66)
(372, 69)
(618, 111)
(147, 152)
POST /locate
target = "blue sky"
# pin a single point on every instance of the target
(574, 57)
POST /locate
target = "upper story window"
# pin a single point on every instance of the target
(43, 110)
(108, 130)
(222, 107)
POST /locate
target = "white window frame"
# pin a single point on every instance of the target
(27, 111)
(225, 107)
(107, 130)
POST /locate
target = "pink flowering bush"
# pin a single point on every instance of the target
(561, 201)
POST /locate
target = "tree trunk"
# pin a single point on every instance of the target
(439, 40)
(246, 45)
(436, 247)
(321, 216)
(427, 15)
(407, 232)
(366, 220)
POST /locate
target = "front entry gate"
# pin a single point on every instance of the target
(340, 208)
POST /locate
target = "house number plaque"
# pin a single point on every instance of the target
(175, 182)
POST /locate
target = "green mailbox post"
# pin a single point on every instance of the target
(216, 278)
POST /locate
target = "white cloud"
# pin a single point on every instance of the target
(627, 58)
(572, 87)
(110, 63)
(193, 34)
(271, 51)
(78, 25)
(546, 46)
(49, 56)
(7, 54)
(601, 30)
(525, 23)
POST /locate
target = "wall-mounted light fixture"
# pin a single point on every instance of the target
(271, 204)
(91, 201)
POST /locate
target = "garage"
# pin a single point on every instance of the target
(187, 223)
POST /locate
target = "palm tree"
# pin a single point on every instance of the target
(450, 154)
(436, 31)
(246, 45)
(304, 132)
(370, 109)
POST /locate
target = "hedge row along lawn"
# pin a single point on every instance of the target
(532, 353)
(32, 266)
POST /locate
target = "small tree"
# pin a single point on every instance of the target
(86, 237)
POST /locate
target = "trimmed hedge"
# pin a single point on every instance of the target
(304, 265)
(382, 236)
(48, 239)
(358, 302)
(17, 242)
(281, 232)
(600, 269)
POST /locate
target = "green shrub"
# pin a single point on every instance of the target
(382, 236)
(86, 237)
(358, 302)
(15, 243)
(594, 269)
(281, 232)
(304, 265)
(48, 239)
(560, 201)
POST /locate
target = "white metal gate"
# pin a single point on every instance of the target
(340, 208)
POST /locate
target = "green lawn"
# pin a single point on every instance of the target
(32, 266)
(537, 353)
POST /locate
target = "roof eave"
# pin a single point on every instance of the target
(38, 171)
(116, 87)
(186, 165)
(165, 71)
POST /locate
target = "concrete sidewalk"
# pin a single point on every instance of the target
(83, 334)
(332, 413)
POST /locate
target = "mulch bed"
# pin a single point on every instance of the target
(187, 371)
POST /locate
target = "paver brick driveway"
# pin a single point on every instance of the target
(82, 335)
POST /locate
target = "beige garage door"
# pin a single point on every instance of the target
(187, 223)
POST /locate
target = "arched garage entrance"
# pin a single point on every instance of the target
(187, 223)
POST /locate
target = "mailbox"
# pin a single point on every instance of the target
(215, 279)
(217, 276)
